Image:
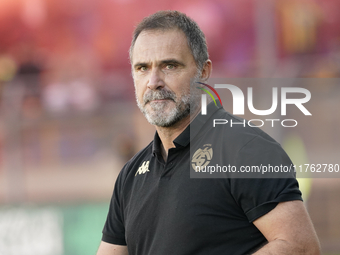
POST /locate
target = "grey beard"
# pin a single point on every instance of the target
(188, 103)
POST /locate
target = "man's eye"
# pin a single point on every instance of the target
(170, 66)
(143, 68)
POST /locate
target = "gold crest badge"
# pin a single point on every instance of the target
(202, 157)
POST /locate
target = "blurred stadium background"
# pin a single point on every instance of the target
(69, 121)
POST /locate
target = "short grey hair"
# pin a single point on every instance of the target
(167, 20)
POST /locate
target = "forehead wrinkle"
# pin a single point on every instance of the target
(160, 62)
(149, 47)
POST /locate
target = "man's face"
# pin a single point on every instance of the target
(164, 70)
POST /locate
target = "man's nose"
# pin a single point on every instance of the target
(155, 79)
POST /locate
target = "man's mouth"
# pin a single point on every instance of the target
(159, 100)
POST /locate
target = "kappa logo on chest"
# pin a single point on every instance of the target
(143, 168)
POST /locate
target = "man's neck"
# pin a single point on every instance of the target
(169, 134)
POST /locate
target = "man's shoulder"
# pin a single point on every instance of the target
(144, 155)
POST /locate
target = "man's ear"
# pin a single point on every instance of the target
(206, 71)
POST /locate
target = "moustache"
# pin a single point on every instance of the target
(159, 95)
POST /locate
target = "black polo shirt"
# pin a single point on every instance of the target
(158, 209)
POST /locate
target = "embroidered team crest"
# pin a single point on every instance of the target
(143, 168)
(202, 157)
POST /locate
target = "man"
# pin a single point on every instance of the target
(156, 208)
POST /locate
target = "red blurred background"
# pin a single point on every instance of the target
(68, 117)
